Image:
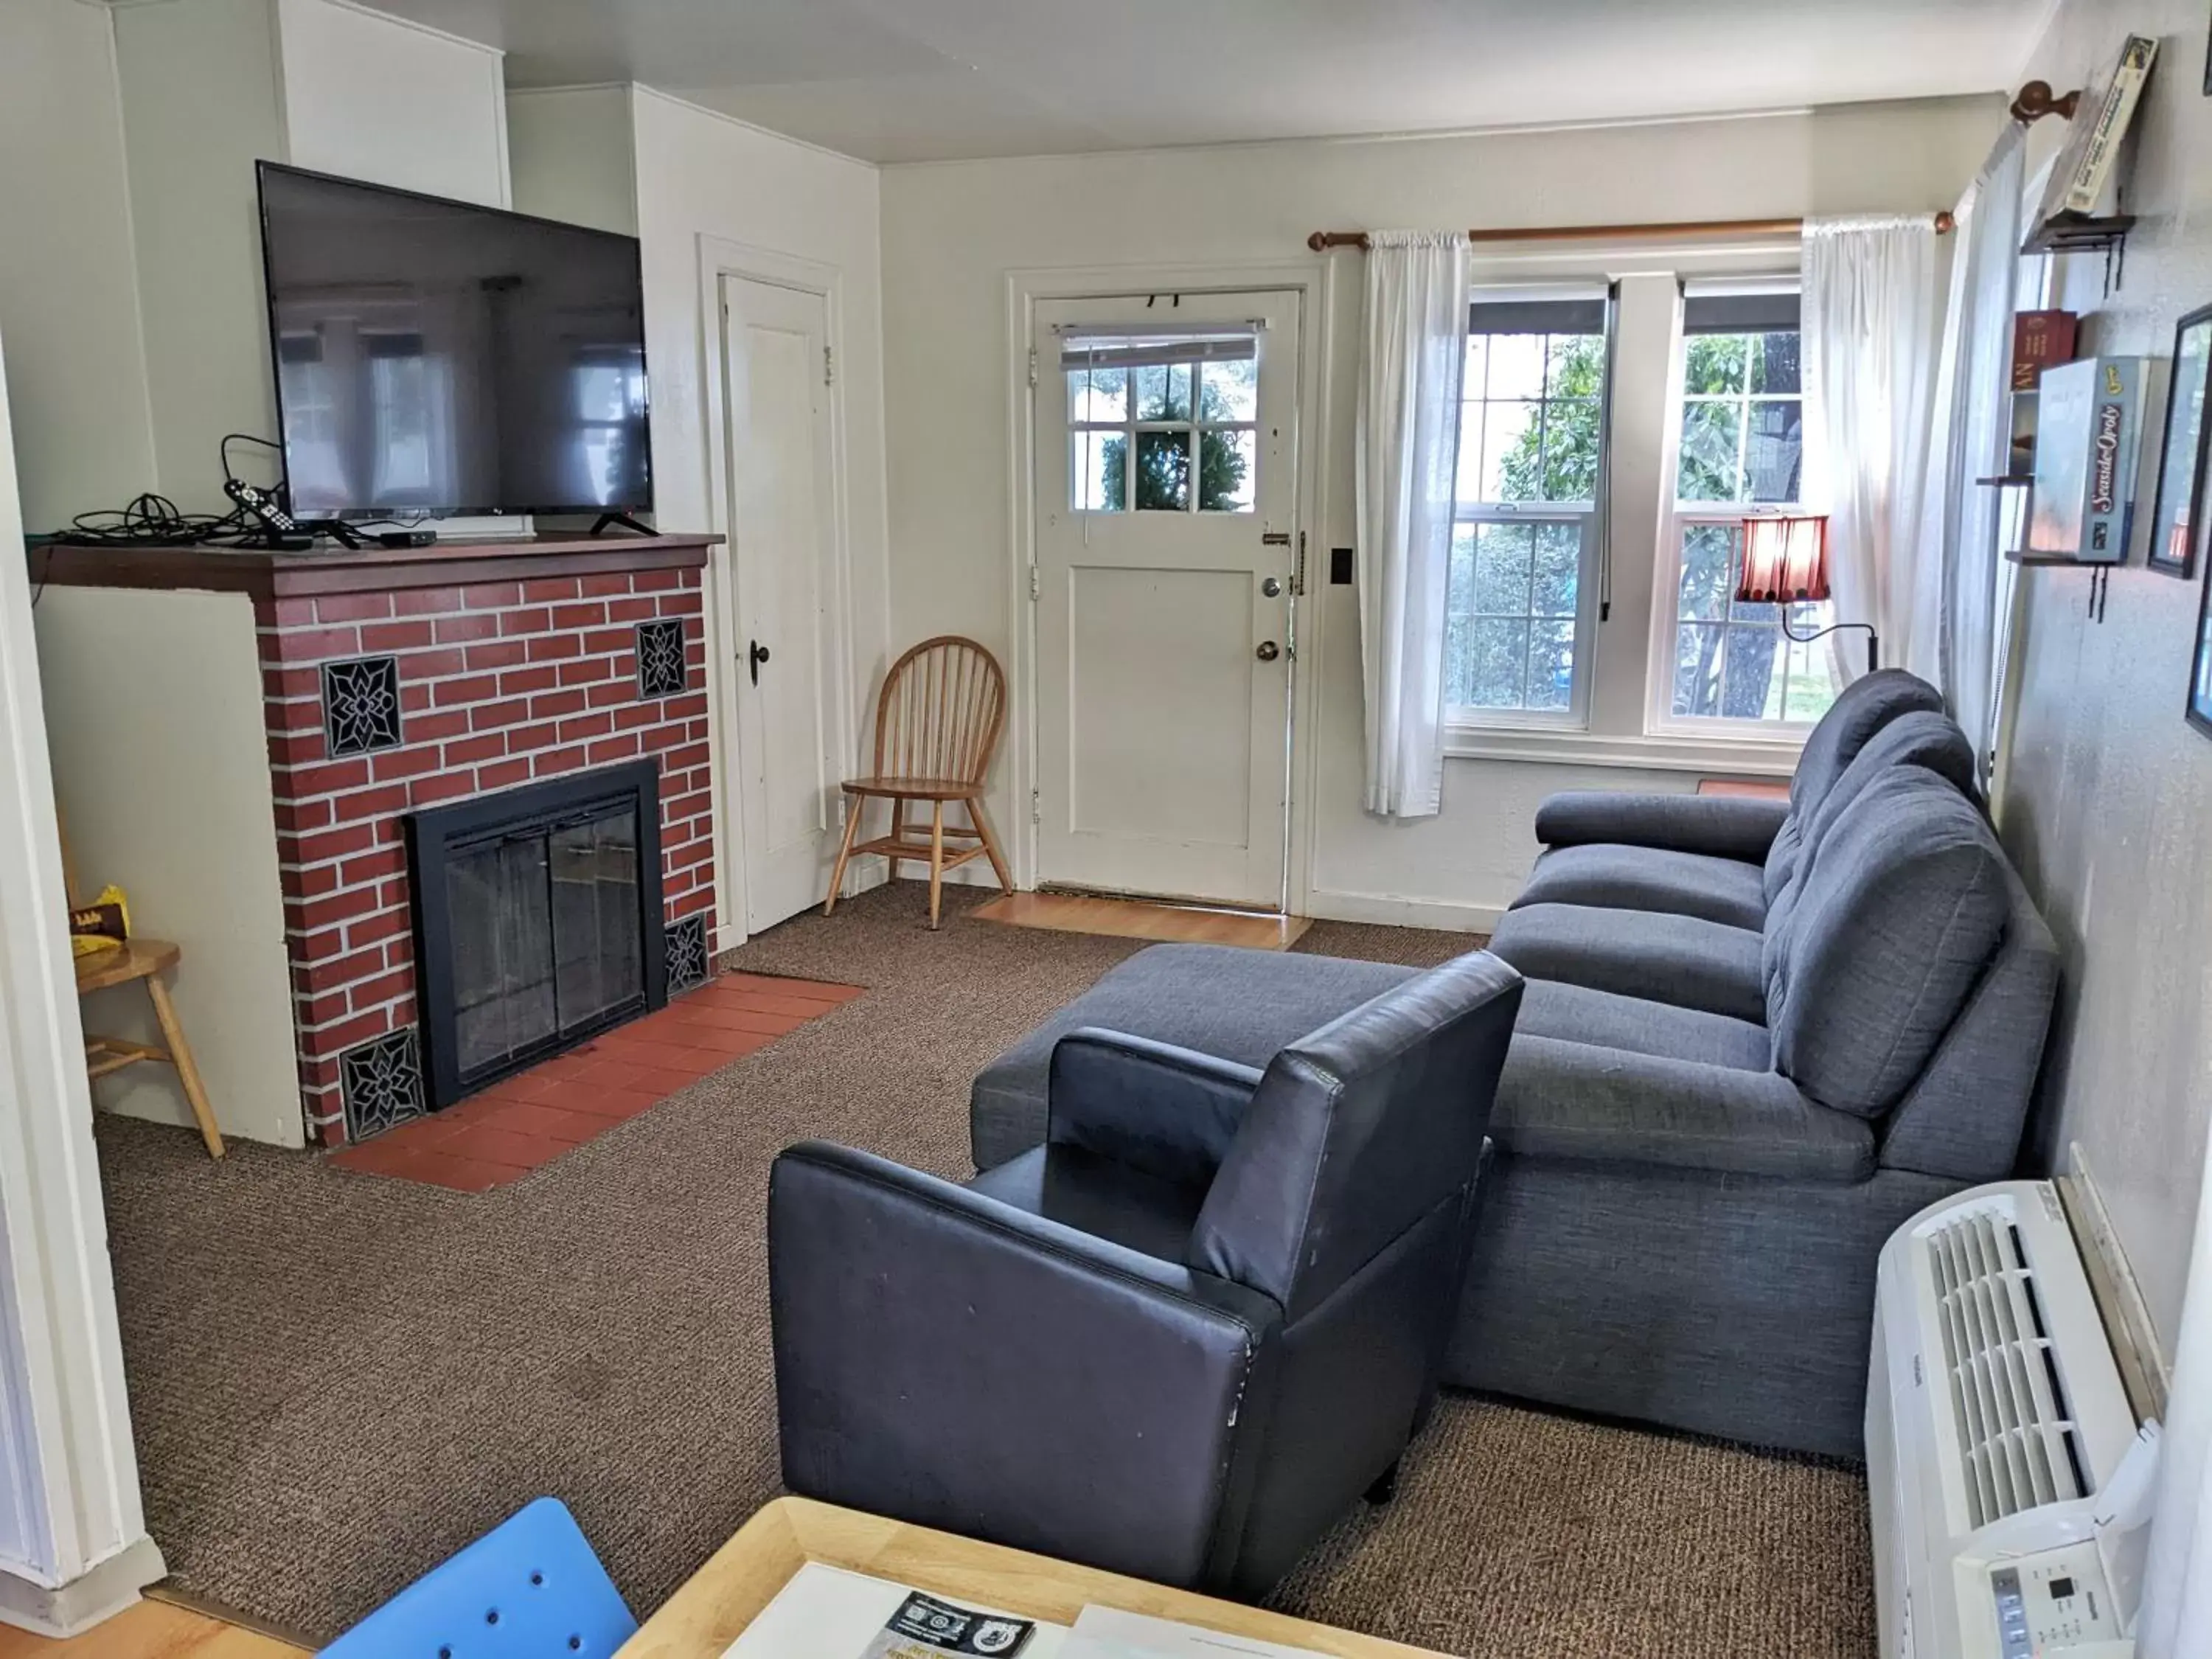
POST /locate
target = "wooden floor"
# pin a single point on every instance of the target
(152, 1630)
(1178, 924)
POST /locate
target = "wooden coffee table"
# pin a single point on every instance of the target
(712, 1610)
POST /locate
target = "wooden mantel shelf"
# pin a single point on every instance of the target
(271, 575)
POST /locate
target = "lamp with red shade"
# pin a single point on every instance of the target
(1785, 560)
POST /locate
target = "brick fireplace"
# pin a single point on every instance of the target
(395, 681)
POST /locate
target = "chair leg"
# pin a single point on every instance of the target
(853, 804)
(892, 862)
(990, 844)
(936, 861)
(180, 1056)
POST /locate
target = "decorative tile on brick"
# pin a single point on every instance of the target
(661, 671)
(685, 942)
(381, 1082)
(360, 705)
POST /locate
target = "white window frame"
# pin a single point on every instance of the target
(1675, 518)
(1471, 720)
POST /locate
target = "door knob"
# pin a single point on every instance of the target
(1271, 587)
(756, 655)
(1268, 651)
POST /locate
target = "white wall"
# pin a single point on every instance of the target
(2108, 790)
(952, 231)
(77, 366)
(573, 157)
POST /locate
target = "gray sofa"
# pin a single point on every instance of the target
(1755, 1040)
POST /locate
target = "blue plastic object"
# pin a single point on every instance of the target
(529, 1588)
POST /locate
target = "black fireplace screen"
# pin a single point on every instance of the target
(536, 921)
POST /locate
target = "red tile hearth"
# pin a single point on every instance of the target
(530, 1119)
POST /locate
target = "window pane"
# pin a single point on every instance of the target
(1698, 662)
(1570, 430)
(1501, 570)
(1467, 484)
(1774, 450)
(1500, 658)
(1551, 665)
(1714, 363)
(1576, 366)
(1752, 662)
(1709, 571)
(1774, 363)
(1478, 360)
(1099, 394)
(1164, 392)
(1811, 674)
(1226, 465)
(1230, 391)
(1512, 453)
(1558, 570)
(1098, 473)
(1516, 366)
(1708, 467)
(1162, 468)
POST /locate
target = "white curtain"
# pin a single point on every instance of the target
(1871, 322)
(1408, 435)
(2176, 1621)
(1962, 602)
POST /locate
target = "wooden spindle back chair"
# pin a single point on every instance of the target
(937, 721)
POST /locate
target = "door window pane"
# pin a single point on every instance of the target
(1158, 402)
(1163, 471)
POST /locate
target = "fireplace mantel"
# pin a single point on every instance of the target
(262, 574)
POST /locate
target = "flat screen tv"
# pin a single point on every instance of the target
(436, 358)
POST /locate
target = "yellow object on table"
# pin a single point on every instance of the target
(102, 924)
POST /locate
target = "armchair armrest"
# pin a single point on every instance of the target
(1719, 826)
(1168, 1111)
(950, 1360)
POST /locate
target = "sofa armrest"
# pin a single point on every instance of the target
(1720, 826)
(1168, 1111)
(950, 1360)
(1560, 1099)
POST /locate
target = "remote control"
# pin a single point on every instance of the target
(262, 504)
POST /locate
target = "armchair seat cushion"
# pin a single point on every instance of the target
(1683, 960)
(1615, 875)
(1633, 1025)
(1098, 1196)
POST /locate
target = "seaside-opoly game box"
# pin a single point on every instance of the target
(2088, 428)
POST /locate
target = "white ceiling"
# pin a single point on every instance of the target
(922, 80)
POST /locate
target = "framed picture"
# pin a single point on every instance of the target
(2200, 666)
(2177, 515)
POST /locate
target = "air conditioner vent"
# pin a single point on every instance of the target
(2016, 1434)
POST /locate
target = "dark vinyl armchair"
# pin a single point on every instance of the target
(1182, 1337)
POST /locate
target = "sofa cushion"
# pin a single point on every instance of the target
(1232, 1004)
(1860, 710)
(1898, 909)
(1683, 960)
(1624, 877)
(1605, 1019)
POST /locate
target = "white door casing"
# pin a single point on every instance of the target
(1162, 717)
(782, 518)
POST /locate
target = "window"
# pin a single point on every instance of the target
(1529, 486)
(1133, 395)
(1740, 451)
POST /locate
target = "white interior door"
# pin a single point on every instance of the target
(782, 516)
(1166, 540)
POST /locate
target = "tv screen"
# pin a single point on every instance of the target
(434, 357)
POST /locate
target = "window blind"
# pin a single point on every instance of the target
(1739, 312)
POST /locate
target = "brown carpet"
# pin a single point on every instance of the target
(338, 1379)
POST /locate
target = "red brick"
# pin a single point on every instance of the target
(505, 776)
(607, 693)
(636, 715)
(291, 683)
(405, 763)
(632, 610)
(335, 973)
(601, 586)
(656, 581)
(586, 670)
(426, 601)
(297, 816)
(446, 785)
(314, 947)
(352, 607)
(489, 716)
(297, 748)
(586, 725)
(520, 740)
(473, 687)
(313, 884)
(691, 706)
(690, 904)
(503, 653)
(613, 749)
(329, 844)
(525, 621)
(432, 664)
(469, 750)
(370, 803)
(490, 596)
(684, 758)
(379, 866)
(437, 727)
(333, 1039)
(324, 780)
(605, 642)
(392, 893)
(679, 604)
(592, 613)
(544, 677)
(309, 914)
(383, 925)
(294, 714)
(548, 761)
(549, 648)
(549, 587)
(697, 852)
(410, 636)
(315, 644)
(414, 697)
(452, 630)
(551, 705)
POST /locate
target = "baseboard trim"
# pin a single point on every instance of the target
(1446, 915)
(67, 1610)
(2144, 1369)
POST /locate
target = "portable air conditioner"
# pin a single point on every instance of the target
(1996, 1429)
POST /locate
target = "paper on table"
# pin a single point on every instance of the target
(1111, 1634)
(827, 1613)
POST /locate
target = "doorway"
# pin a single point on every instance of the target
(1167, 552)
(782, 514)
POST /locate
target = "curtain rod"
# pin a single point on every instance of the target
(1322, 240)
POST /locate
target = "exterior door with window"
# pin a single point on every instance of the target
(782, 516)
(1165, 478)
